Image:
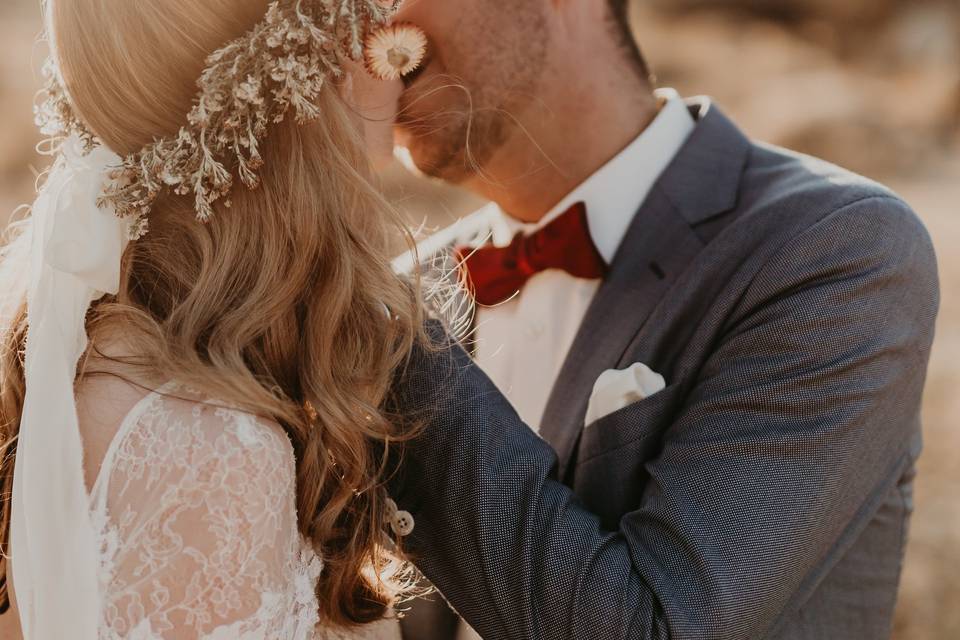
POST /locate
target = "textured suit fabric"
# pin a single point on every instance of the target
(765, 492)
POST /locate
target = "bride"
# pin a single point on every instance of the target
(192, 371)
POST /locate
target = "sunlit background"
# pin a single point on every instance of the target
(873, 85)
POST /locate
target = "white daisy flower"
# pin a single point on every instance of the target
(395, 51)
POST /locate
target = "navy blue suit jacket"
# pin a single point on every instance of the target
(764, 493)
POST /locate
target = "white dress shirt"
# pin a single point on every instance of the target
(522, 343)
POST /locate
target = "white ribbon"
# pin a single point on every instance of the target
(75, 260)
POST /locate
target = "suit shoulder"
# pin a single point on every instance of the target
(833, 240)
(779, 178)
(790, 192)
(835, 220)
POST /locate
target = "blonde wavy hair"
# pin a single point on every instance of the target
(284, 304)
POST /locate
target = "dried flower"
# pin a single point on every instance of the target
(395, 51)
(280, 66)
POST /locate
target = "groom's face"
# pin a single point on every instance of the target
(477, 83)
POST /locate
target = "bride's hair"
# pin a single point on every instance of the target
(283, 303)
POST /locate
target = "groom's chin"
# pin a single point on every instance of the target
(404, 158)
(429, 156)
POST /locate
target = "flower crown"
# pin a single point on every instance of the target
(280, 66)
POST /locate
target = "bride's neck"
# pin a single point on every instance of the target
(114, 352)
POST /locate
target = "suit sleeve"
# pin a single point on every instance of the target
(795, 427)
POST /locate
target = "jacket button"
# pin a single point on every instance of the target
(403, 524)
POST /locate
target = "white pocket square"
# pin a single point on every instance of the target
(616, 389)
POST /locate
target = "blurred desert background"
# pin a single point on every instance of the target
(873, 85)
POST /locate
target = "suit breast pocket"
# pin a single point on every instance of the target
(610, 473)
(629, 424)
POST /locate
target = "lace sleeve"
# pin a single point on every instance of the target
(199, 528)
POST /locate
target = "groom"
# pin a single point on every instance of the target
(721, 344)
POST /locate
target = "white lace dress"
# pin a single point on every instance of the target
(195, 509)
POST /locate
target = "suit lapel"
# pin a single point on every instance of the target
(700, 184)
(652, 256)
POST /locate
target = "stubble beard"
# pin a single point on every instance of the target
(477, 113)
(455, 142)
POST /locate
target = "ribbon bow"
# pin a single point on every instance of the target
(497, 273)
(75, 260)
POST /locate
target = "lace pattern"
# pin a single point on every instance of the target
(196, 515)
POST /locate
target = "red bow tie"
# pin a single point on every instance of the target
(497, 273)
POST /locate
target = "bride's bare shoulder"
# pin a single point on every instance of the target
(10, 626)
(103, 402)
(117, 412)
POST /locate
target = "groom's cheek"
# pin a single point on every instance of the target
(429, 15)
(459, 30)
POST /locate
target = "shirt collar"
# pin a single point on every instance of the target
(615, 192)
